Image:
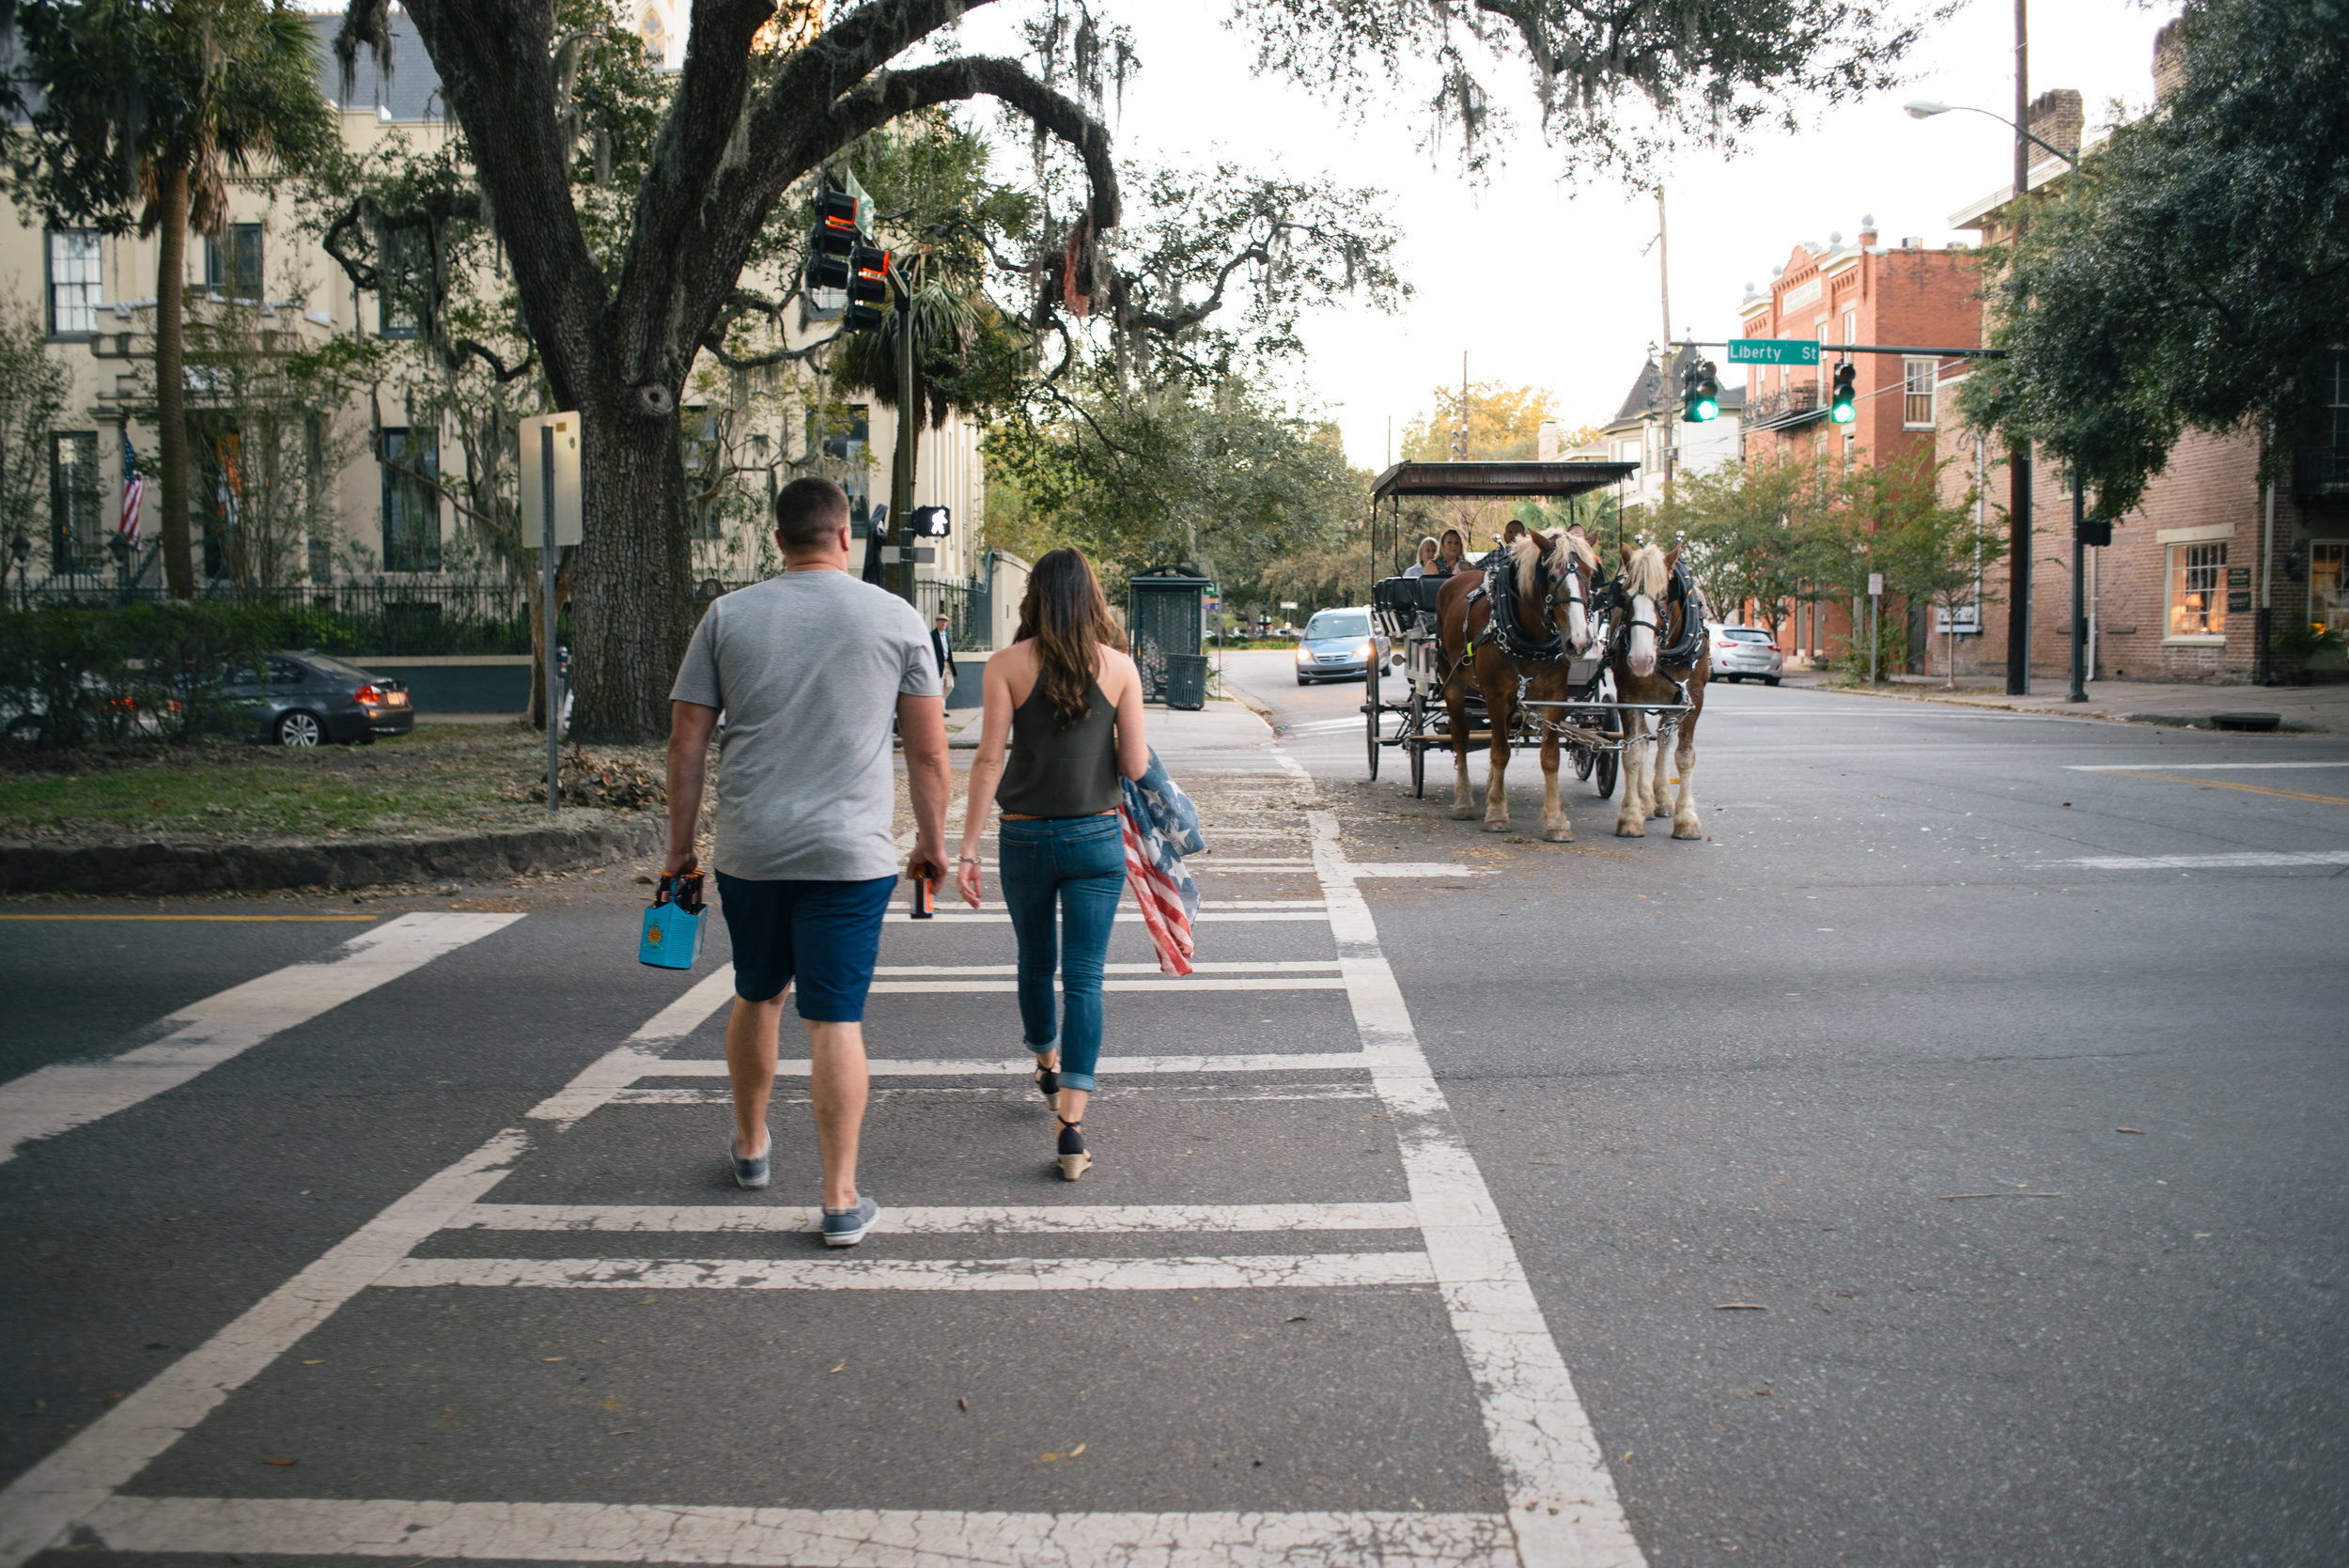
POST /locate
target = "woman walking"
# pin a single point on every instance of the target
(1069, 700)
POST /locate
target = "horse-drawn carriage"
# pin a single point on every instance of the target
(1535, 643)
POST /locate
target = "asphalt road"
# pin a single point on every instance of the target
(1937, 1163)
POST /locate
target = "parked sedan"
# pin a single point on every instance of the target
(310, 698)
(1338, 645)
(1739, 651)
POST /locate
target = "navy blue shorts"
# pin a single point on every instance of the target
(823, 935)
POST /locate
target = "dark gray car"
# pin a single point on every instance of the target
(310, 698)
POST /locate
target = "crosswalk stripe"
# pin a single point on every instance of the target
(884, 1066)
(1308, 966)
(1206, 916)
(55, 1099)
(2251, 859)
(1191, 982)
(44, 1503)
(793, 1537)
(1276, 1271)
(1022, 1220)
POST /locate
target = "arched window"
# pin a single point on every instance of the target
(656, 39)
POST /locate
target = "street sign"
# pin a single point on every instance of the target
(1876, 583)
(1773, 350)
(565, 427)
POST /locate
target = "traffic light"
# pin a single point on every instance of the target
(868, 288)
(844, 221)
(1700, 392)
(1841, 408)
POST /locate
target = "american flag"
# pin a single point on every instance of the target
(133, 491)
(1153, 865)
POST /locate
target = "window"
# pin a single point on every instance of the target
(2198, 590)
(73, 285)
(405, 273)
(2328, 584)
(1818, 330)
(656, 40)
(411, 504)
(846, 435)
(232, 265)
(1918, 388)
(73, 500)
(1851, 325)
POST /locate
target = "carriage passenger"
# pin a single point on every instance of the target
(1450, 555)
(1426, 562)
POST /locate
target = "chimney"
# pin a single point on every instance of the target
(2168, 58)
(2056, 117)
(1867, 230)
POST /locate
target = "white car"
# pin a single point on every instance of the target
(1739, 651)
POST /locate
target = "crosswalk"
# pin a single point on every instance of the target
(1420, 1219)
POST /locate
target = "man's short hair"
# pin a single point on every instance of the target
(808, 513)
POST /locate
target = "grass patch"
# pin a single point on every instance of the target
(439, 778)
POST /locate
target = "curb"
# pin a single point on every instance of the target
(156, 868)
(1998, 704)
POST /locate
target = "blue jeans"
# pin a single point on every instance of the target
(1078, 862)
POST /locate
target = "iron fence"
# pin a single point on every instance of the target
(377, 618)
(968, 607)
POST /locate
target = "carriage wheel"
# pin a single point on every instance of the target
(1584, 760)
(1608, 764)
(1370, 711)
(1415, 740)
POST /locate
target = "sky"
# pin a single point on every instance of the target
(1575, 304)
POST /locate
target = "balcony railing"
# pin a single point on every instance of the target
(1776, 411)
(2320, 471)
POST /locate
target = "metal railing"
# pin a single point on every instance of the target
(380, 618)
(1792, 405)
(968, 607)
(2320, 471)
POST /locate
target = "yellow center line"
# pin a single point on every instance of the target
(308, 919)
(2222, 783)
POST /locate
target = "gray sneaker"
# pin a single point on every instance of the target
(751, 1174)
(846, 1227)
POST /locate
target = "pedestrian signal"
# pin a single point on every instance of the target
(1842, 407)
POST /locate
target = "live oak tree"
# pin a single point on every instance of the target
(141, 112)
(767, 96)
(2202, 279)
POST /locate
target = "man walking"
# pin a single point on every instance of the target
(944, 652)
(808, 668)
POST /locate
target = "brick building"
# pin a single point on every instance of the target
(2176, 595)
(1862, 292)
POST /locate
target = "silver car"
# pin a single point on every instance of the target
(1338, 645)
(1739, 651)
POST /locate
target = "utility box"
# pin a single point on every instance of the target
(1166, 614)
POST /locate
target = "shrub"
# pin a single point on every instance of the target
(80, 677)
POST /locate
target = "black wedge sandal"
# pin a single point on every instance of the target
(1074, 1162)
(1048, 1084)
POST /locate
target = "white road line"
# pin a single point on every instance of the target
(1028, 1219)
(2190, 767)
(1012, 1091)
(1191, 982)
(1206, 916)
(43, 1505)
(2207, 862)
(67, 1094)
(791, 1537)
(1562, 1500)
(882, 1067)
(1276, 1271)
(1305, 965)
(993, 906)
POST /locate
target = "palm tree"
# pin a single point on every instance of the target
(147, 106)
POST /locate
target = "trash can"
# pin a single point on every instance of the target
(1187, 681)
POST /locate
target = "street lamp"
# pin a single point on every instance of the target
(22, 548)
(1925, 108)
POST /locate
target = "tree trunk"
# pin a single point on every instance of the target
(171, 382)
(632, 579)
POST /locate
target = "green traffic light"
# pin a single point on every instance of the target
(1705, 409)
(1843, 413)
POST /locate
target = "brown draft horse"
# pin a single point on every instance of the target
(1550, 576)
(1656, 624)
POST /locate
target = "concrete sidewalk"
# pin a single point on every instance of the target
(2317, 710)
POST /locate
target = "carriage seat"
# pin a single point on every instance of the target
(1404, 595)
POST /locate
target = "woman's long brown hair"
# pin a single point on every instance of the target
(1067, 615)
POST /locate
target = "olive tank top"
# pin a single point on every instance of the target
(1061, 772)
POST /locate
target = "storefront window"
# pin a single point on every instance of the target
(2198, 592)
(2328, 584)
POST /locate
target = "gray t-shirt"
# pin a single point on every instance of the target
(807, 667)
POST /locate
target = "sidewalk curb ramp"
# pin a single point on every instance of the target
(158, 868)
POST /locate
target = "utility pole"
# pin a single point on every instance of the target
(1664, 288)
(1460, 431)
(901, 471)
(2018, 463)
